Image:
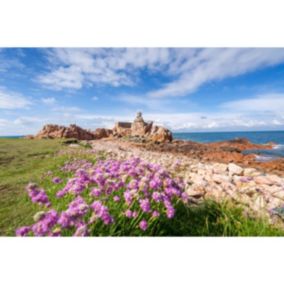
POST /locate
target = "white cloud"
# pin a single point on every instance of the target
(190, 68)
(13, 100)
(75, 68)
(95, 98)
(273, 103)
(49, 101)
(205, 65)
(72, 109)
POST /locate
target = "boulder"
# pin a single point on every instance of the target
(160, 134)
(100, 133)
(52, 131)
(122, 129)
(235, 169)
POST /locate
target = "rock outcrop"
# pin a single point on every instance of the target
(139, 128)
(160, 134)
(142, 129)
(122, 129)
(100, 133)
(57, 131)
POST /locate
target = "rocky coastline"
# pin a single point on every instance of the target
(219, 171)
(257, 190)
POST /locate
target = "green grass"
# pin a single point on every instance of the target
(22, 161)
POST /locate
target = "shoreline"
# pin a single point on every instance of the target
(257, 190)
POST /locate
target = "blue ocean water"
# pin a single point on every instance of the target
(257, 137)
(12, 137)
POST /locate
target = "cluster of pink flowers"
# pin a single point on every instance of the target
(105, 192)
(37, 195)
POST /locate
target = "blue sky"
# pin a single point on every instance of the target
(184, 89)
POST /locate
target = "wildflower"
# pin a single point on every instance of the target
(37, 195)
(143, 225)
(128, 213)
(145, 205)
(156, 196)
(128, 197)
(56, 180)
(96, 192)
(116, 198)
(23, 231)
(81, 231)
(155, 214)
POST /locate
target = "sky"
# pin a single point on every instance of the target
(184, 89)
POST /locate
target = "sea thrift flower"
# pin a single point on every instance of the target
(23, 231)
(145, 205)
(43, 227)
(56, 180)
(155, 214)
(96, 192)
(157, 196)
(128, 197)
(134, 214)
(101, 212)
(143, 225)
(116, 198)
(37, 195)
(81, 231)
(128, 213)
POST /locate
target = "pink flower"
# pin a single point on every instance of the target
(23, 231)
(143, 225)
(145, 205)
(116, 198)
(56, 180)
(155, 214)
(128, 213)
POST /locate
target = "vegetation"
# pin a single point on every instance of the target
(23, 161)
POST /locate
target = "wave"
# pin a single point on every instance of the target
(278, 147)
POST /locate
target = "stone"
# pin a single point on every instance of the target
(100, 133)
(220, 168)
(122, 129)
(235, 169)
(250, 172)
(195, 192)
(279, 194)
(220, 178)
(160, 134)
(52, 131)
(139, 127)
(263, 180)
(276, 179)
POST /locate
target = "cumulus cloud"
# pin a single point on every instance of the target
(13, 100)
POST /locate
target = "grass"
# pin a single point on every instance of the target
(22, 161)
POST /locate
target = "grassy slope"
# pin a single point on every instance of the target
(22, 161)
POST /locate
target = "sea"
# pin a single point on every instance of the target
(257, 137)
